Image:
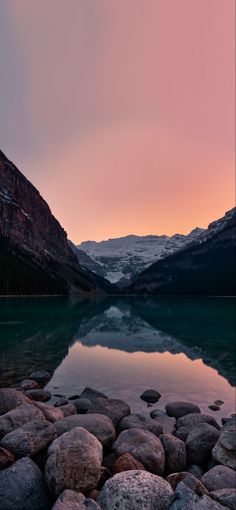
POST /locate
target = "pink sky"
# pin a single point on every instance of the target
(122, 111)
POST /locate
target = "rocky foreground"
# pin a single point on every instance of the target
(90, 452)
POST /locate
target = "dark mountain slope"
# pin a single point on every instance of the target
(207, 267)
(35, 257)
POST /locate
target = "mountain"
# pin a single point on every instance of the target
(35, 257)
(123, 258)
(87, 262)
(204, 267)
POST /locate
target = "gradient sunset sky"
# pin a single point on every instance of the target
(121, 112)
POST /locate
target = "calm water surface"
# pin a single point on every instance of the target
(184, 348)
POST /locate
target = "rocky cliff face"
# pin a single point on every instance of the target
(35, 255)
(206, 267)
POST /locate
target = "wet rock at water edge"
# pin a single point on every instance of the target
(200, 442)
(41, 376)
(67, 410)
(22, 487)
(155, 413)
(135, 490)
(225, 497)
(98, 424)
(219, 402)
(29, 384)
(10, 399)
(40, 395)
(18, 417)
(179, 409)
(214, 407)
(6, 458)
(74, 462)
(182, 433)
(82, 405)
(141, 422)
(188, 479)
(190, 420)
(50, 413)
(175, 453)
(71, 500)
(224, 450)
(150, 396)
(115, 409)
(74, 397)
(168, 423)
(92, 394)
(30, 438)
(144, 446)
(127, 462)
(219, 477)
(61, 402)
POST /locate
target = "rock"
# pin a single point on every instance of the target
(40, 395)
(51, 413)
(113, 408)
(10, 399)
(74, 462)
(109, 461)
(175, 453)
(225, 497)
(58, 395)
(219, 402)
(178, 409)
(195, 470)
(188, 479)
(68, 410)
(82, 405)
(6, 458)
(150, 396)
(18, 417)
(143, 446)
(71, 500)
(185, 498)
(182, 433)
(168, 423)
(22, 487)
(127, 462)
(41, 376)
(135, 490)
(155, 413)
(92, 394)
(29, 384)
(61, 402)
(30, 438)
(206, 503)
(74, 397)
(224, 450)
(200, 442)
(98, 424)
(93, 494)
(219, 477)
(190, 420)
(214, 407)
(141, 422)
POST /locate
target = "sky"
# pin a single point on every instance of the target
(121, 112)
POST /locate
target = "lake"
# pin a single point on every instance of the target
(182, 347)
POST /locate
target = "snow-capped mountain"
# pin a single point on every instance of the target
(123, 258)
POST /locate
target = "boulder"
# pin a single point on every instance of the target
(68, 410)
(22, 487)
(175, 453)
(150, 396)
(200, 442)
(179, 409)
(113, 408)
(188, 479)
(141, 422)
(127, 462)
(92, 394)
(10, 399)
(39, 395)
(195, 470)
(135, 490)
(168, 423)
(71, 500)
(190, 420)
(30, 438)
(206, 503)
(143, 446)
(40, 376)
(219, 477)
(50, 413)
(6, 458)
(98, 424)
(225, 497)
(182, 433)
(18, 417)
(29, 384)
(185, 498)
(224, 450)
(82, 405)
(74, 462)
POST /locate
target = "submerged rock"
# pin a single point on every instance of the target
(219, 477)
(113, 408)
(135, 490)
(98, 424)
(22, 487)
(92, 394)
(150, 396)
(30, 438)
(141, 422)
(74, 462)
(144, 446)
(179, 409)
